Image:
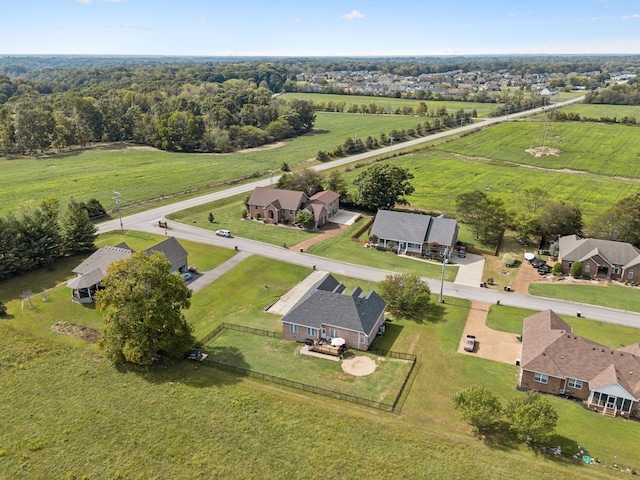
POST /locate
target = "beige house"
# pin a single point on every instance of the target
(600, 258)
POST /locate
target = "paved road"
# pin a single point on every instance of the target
(146, 221)
(476, 294)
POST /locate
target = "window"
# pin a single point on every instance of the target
(573, 383)
(311, 332)
(616, 270)
(333, 333)
(361, 338)
(541, 378)
(587, 268)
(630, 275)
(293, 327)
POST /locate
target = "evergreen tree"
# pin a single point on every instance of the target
(78, 233)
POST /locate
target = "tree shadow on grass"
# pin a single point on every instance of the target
(387, 340)
(210, 372)
(500, 437)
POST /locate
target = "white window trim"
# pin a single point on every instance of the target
(587, 268)
(574, 383)
(293, 328)
(631, 275)
(616, 270)
(311, 331)
(540, 378)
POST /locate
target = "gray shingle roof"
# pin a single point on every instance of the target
(414, 228)
(575, 249)
(326, 305)
(171, 249)
(102, 258)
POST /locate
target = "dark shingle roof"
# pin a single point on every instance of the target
(102, 258)
(171, 249)
(288, 199)
(326, 304)
(415, 228)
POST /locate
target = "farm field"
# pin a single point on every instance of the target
(392, 104)
(145, 417)
(597, 111)
(607, 295)
(143, 173)
(441, 176)
(603, 149)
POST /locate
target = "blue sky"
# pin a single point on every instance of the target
(318, 28)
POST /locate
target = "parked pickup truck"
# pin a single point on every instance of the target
(470, 343)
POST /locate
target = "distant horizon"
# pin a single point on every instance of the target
(333, 28)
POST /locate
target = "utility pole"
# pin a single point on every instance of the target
(117, 196)
(444, 263)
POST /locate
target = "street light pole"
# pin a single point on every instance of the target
(117, 196)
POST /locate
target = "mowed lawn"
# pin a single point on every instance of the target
(67, 412)
(606, 295)
(144, 173)
(390, 104)
(597, 111)
(281, 358)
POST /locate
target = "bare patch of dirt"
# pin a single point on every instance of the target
(358, 366)
(543, 151)
(89, 334)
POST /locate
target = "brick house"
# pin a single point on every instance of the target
(556, 361)
(327, 312)
(274, 205)
(600, 258)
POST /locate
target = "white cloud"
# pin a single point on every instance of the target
(595, 19)
(200, 21)
(633, 16)
(85, 2)
(296, 20)
(354, 15)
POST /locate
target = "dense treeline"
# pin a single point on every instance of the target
(40, 235)
(208, 117)
(576, 117)
(620, 94)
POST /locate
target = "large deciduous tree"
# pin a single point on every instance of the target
(533, 418)
(478, 406)
(383, 185)
(620, 223)
(487, 215)
(143, 305)
(559, 219)
(307, 180)
(406, 294)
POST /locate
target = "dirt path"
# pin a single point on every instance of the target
(490, 344)
(328, 230)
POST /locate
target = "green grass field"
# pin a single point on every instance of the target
(68, 413)
(607, 150)
(441, 176)
(607, 295)
(392, 104)
(597, 111)
(142, 173)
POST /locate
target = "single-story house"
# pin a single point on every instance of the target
(554, 360)
(274, 205)
(600, 258)
(414, 233)
(327, 312)
(89, 274)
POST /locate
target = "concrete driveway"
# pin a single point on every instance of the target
(490, 344)
(470, 269)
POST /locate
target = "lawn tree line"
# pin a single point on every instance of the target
(40, 235)
(532, 418)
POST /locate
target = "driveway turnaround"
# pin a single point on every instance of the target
(490, 344)
(470, 269)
